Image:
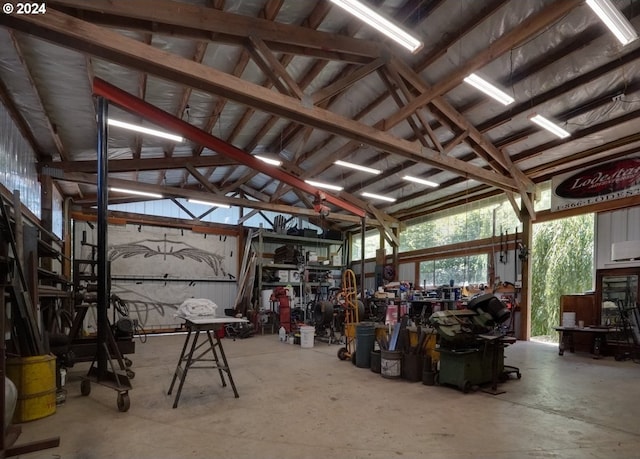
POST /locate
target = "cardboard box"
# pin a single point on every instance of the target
(336, 260)
(283, 274)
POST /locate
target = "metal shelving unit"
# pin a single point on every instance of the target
(265, 243)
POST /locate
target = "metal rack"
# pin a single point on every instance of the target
(264, 242)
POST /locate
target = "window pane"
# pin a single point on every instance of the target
(469, 270)
(467, 223)
(371, 244)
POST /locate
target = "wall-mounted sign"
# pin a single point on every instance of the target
(604, 182)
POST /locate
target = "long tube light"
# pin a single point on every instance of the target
(615, 20)
(357, 167)
(489, 89)
(378, 196)
(207, 203)
(136, 192)
(380, 23)
(324, 185)
(549, 126)
(144, 130)
(268, 160)
(420, 181)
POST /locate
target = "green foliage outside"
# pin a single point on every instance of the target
(562, 260)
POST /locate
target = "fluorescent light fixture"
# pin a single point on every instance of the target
(272, 161)
(549, 126)
(377, 196)
(381, 24)
(420, 181)
(139, 193)
(324, 185)
(489, 89)
(207, 203)
(614, 19)
(144, 130)
(357, 167)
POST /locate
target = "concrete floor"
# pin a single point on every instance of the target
(305, 403)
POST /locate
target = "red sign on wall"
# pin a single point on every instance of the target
(605, 182)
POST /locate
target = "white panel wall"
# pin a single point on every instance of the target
(150, 298)
(616, 226)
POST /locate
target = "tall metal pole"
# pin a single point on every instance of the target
(363, 227)
(102, 262)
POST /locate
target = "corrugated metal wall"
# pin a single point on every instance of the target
(18, 164)
(616, 226)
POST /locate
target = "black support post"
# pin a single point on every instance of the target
(103, 272)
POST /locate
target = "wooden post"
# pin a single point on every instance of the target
(525, 291)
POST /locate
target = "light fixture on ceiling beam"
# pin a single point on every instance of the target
(269, 160)
(420, 181)
(615, 20)
(207, 203)
(489, 89)
(136, 192)
(550, 126)
(357, 167)
(378, 196)
(144, 130)
(380, 23)
(324, 185)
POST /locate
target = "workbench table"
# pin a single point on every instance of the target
(599, 336)
(192, 352)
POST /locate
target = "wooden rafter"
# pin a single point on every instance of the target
(198, 55)
(145, 164)
(226, 26)
(22, 125)
(142, 92)
(269, 12)
(50, 125)
(273, 68)
(169, 192)
(530, 26)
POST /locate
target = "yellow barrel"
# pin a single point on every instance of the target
(35, 379)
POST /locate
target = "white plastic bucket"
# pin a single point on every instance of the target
(306, 336)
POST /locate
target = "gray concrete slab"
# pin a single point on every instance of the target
(305, 403)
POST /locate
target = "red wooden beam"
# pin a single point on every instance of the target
(139, 107)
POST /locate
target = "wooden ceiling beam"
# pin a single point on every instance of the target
(262, 63)
(142, 92)
(198, 56)
(530, 26)
(110, 45)
(203, 180)
(525, 185)
(51, 127)
(21, 123)
(144, 164)
(268, 12)
(186, 193)
(224, 23)
(425, 61)
(392, 71)
(274, 69)
(343, 83)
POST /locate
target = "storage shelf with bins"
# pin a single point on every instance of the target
(617, 292)
(265, 244)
